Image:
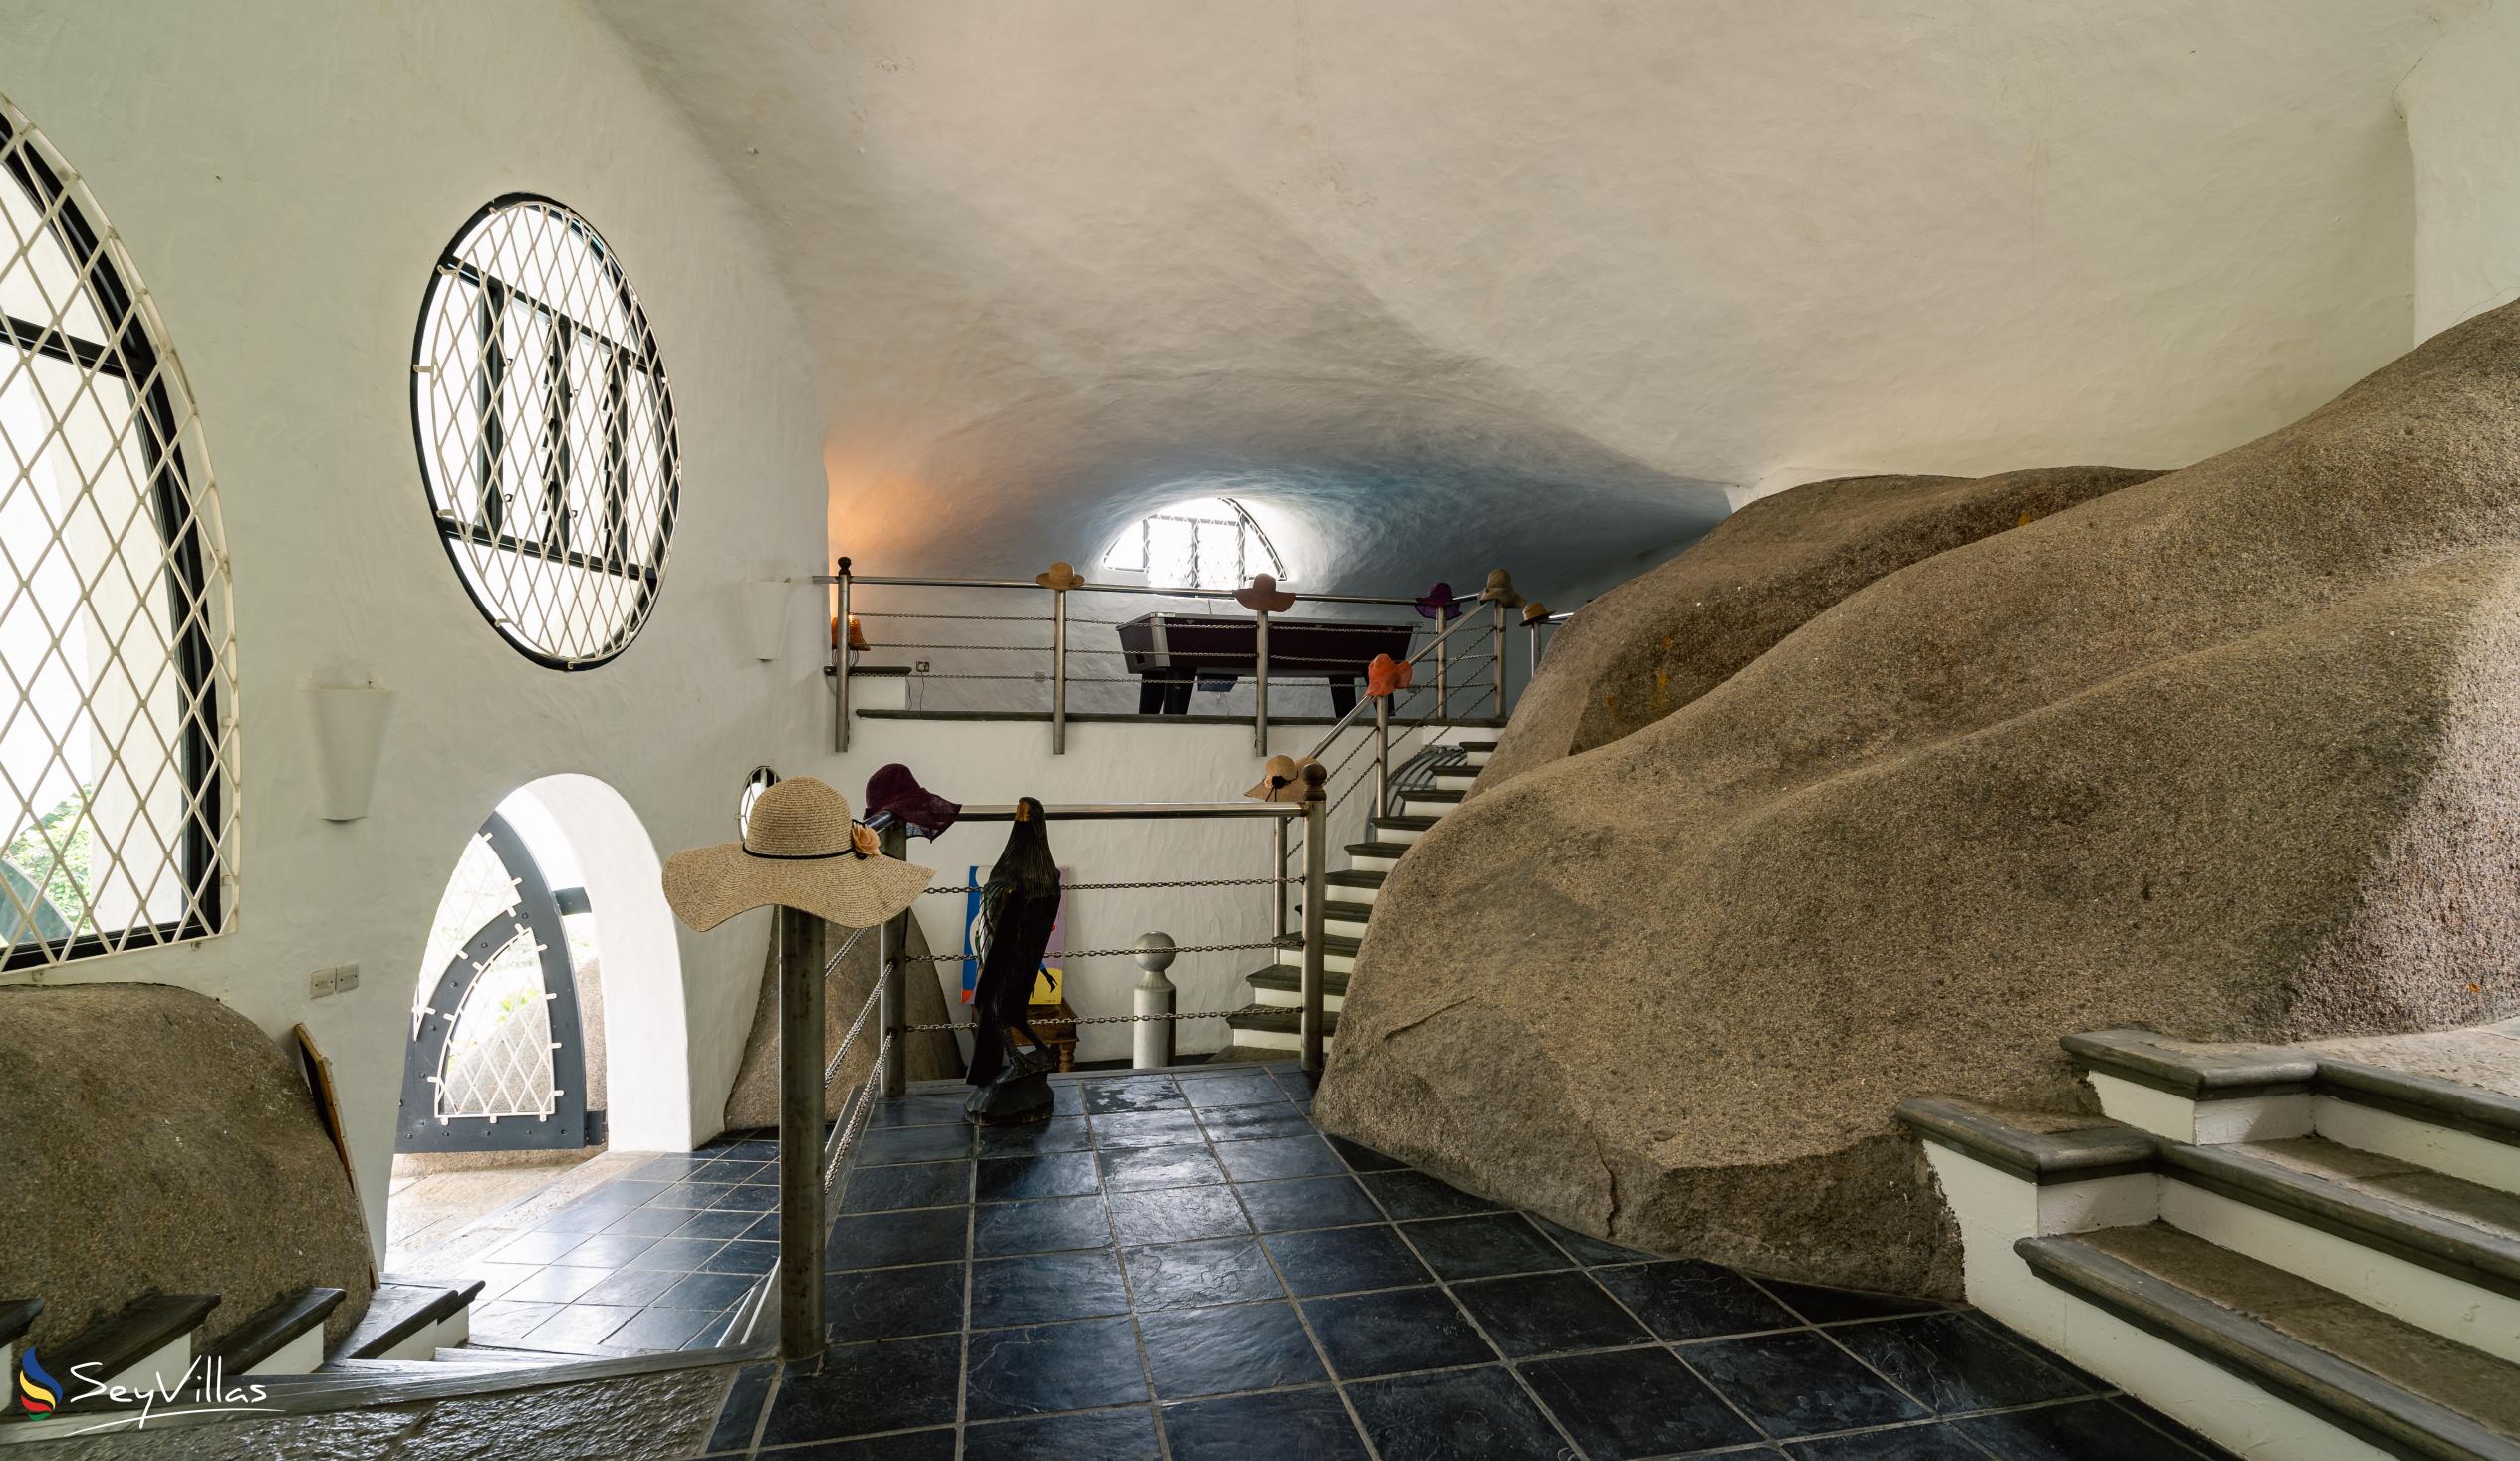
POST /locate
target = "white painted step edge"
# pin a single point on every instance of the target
(1275, 1040)
(1288, 999)
(2285, 1115)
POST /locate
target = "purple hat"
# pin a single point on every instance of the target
(892, 790)
(1438, 604)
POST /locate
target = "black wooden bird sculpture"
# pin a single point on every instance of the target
(1018, 906)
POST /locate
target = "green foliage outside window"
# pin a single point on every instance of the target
(64, 879)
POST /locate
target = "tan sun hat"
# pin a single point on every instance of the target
(1060, 575)
(800, 851)
(1263, 596)
(1282, 780)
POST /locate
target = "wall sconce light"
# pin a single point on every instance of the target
(349, 737)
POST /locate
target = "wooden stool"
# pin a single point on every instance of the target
(1058, 1026)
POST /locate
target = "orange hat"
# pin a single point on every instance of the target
(1387, 675)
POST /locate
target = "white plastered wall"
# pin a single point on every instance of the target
(285, 173)
(2462, 108)
(999, 761)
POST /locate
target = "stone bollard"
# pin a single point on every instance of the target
(1151, 1041)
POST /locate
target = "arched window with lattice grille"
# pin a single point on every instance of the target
(117, 751)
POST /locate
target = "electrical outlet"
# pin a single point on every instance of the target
(345, 978)
(319, 984)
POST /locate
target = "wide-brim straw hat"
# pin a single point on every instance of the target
(1282, 780)
(1535, 612)
(1263, 596)
(1061, 574)
(800, 850)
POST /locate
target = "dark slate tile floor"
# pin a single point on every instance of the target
(649, 1261)
(1178, 1268)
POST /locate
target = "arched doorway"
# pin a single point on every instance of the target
(497, 1059)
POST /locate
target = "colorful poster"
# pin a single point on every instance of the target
(1051, 981)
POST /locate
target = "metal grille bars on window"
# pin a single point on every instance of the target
(1454, 643)
(807, 1157)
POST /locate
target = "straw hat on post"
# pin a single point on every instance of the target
(1263, 596)
(1282, 780)
(800, 850)
(1535, 612)
(1060, 576)
(1500, 589)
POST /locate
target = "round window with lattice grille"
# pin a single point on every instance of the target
(118, 661)
(546, 432)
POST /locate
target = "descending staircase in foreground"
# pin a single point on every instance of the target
(155, 1342)
(1272, 1033)
(2300, 1255)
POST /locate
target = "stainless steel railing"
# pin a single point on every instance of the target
(1459, 653)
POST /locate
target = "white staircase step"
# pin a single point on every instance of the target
(2216, 1093)
(2291, 1369)
(2429, 1249)
(2368, 1260)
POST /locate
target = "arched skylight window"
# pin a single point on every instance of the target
(117, 659)
(1210, 543)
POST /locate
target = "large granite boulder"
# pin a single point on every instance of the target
(2233, 754)
(933, 1056)
(156, 1140)
(1662, 638)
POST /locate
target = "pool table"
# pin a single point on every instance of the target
(1172, 653)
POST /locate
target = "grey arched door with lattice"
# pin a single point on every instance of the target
(496, 1062)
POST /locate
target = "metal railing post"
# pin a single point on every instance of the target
(1531, 633)
(840, 666)
(1315, 896)
(1501, 642)
(892, 943)
(1277, 871)
(801, 1131)
(1444, 666)
(1260, 684)
(1058, 671)
(1382, 756)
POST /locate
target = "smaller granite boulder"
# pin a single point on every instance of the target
(933, 1056)
(1666, 636)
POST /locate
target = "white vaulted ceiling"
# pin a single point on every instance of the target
(1441, 283)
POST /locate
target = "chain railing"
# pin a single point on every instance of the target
(1166, 672)
(810, 1159)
